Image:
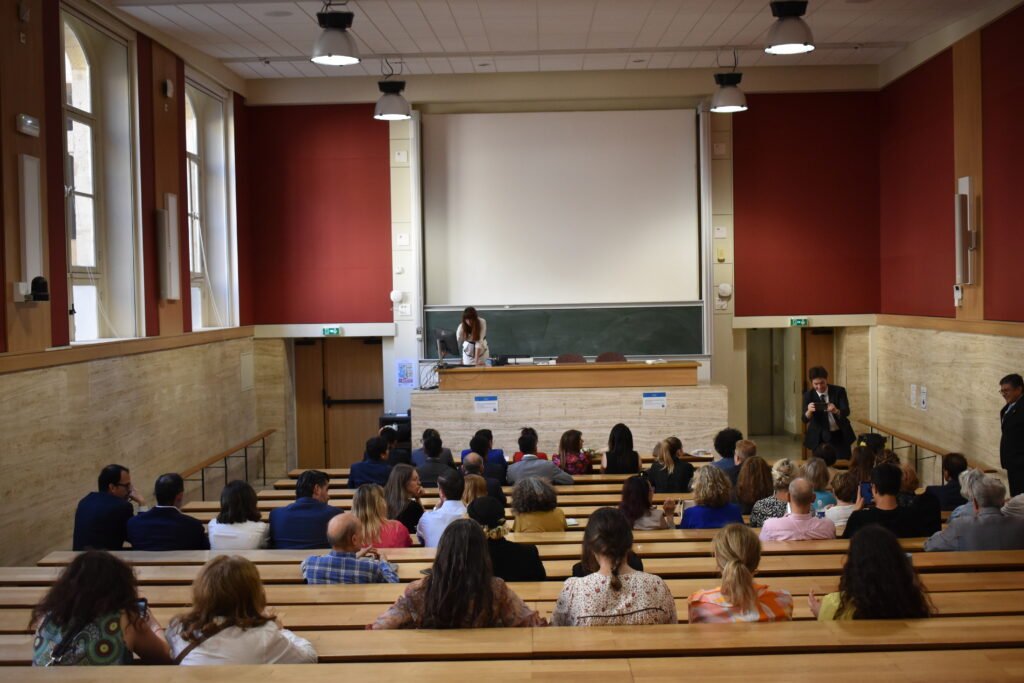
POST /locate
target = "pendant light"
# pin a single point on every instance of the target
(392, 106)
(335, 45)
(728, 98)
(790, 34)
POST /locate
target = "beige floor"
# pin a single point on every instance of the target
(776, 447)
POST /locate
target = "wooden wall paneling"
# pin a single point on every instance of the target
(309, 403)
(60, 325)
(967, 140)
(22, 84)
(353, 371)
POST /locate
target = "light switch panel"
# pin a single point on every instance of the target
(402, 239)
(401, 156)
(721, 232)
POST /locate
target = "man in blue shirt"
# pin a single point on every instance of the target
(101, 519)
(303, 524)
(347, 562)
(165, 526)
(374, 468)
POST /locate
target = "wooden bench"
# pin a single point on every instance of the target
(577, 494)
(340, 479)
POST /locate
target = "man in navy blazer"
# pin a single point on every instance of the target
(303, 524)
(827, 414)
(165, 526)
(948, 493)
(101, 519)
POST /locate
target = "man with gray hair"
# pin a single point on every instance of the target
(800, 524)
(347, 562)
(988, 528)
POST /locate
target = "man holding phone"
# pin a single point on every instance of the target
(827, 414)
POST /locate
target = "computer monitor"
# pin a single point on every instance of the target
(447, 344)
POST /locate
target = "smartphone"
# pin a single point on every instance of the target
(820, 407)
(143, 608)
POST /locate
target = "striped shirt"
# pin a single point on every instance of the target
(711, 607)
(338, 567)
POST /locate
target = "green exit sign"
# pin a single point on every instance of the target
(332, 331)
(798, 322)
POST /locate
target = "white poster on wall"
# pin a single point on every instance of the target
(406, 373)
(485, 404)
(655, 400)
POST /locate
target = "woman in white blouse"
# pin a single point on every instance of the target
(239, 525)
(472, 337)
(229, 624)
(614, 594)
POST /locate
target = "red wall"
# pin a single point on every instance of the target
(805, 188)
(916, 190)
(319, 211)
(1002, 103)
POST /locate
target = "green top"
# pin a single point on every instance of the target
(98, 643)
(830, 609)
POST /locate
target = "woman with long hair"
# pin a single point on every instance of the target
(536, 506)
(816, 471)
(753, 483)
(228, 622)
(783, 473)
(571, 457)
(620, 458)
(615, 593)
(402, 494)
(637, 506)
(92, 615)
(476, 486)
(737, 551)
(472, 337)
(712, 492)
(862, 461)
(669, 473)
(371, 508)
(239, 525)
(509, 561)
(461, 590)
(878, 582)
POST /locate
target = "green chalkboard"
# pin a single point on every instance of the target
(641, 331)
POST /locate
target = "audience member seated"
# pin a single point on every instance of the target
(529, 465)
(620, 457)
(949, 492)
(1015, 506)
(473, 463)
(378, 530)
(725, 445)
(348, 562)
(419, 455)
(711, 493)
(450, 488)
(164, 526)
(801, 523)
(530, 434)
(776, 505)
(906, 522)
(615, 594)
(909, 484)
(668, 473)
(987, 529)
(737, 551)
(403, 494)
(845, 486)
(239, 524)
(491, 454)
(588, 563)
(476, 487)
(826, 452)
(536, 506)
(878, 582)
(461, 590)
(873, 442)
(494, 467)
(753, 483)
(303, 524)
(887, 456)
(433, 467)
(571, 457)
(862, 462)
(228, 622)
(966, 481)
(396, 455)
(373, 469)
(101, 519)
(816, 472)
(637, 506)
(510, 561)
(92, 616)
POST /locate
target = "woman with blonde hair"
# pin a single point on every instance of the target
(816, 471)
(737, 551)
(476, 486)
(229, 623)
(669, 473)
(371, 507)
(783, 473)
(712, 492)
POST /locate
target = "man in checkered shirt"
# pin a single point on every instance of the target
(347, 562)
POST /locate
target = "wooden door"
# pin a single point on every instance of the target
(353, 396)
(309, 403)
(818, 349)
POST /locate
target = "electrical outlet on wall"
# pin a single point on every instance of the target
(924, 397)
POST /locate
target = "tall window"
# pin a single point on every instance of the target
(195, 223)
(99, 183)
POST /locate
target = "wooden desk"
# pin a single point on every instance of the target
(339, 481)
(569, 376)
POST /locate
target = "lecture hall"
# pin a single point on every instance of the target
(433, 340)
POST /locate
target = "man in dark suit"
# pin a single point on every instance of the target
(827, 414)
(164, 526)
(473, 463)
(101, 519)
(948, 494)
(495, 466)
(1011, 443)
(303, 524)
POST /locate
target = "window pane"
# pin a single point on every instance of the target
(197, 308)
(193, 188)
(86, 318)
(83, 246)
(80, 151)
(191, 128)
(76, 72)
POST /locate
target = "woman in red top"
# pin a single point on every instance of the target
(571, 457)
(371, 507)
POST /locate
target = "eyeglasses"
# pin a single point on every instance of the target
(127, 486)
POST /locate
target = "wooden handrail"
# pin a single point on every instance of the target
(913, 440)
(225, 453)
(200, 469)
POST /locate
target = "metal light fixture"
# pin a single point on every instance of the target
(335, 46)
(790, 34)
(728, 98)
(392, 106)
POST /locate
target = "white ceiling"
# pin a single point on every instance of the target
(259, 39)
